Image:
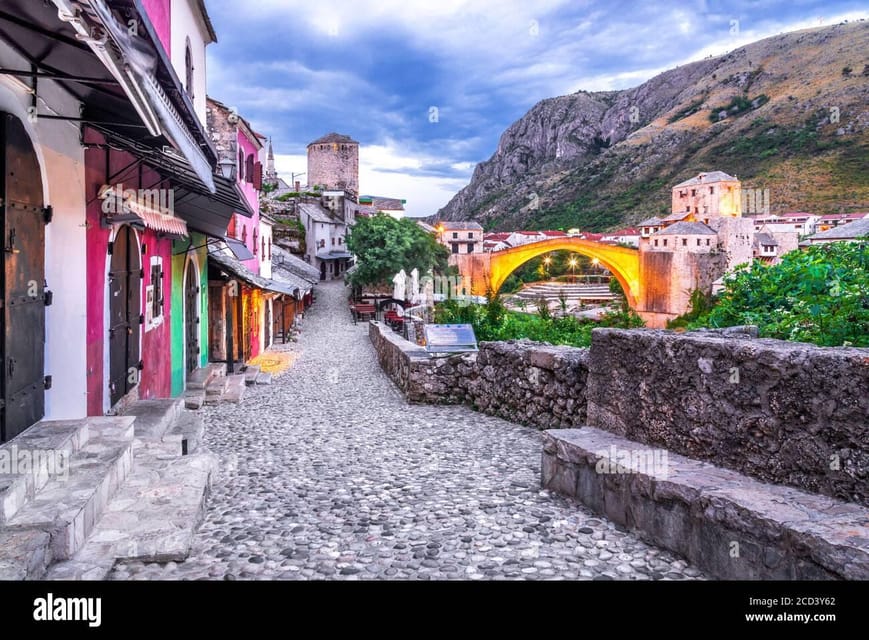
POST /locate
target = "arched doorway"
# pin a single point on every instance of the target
(125, 308)
(191, 317)
(22, 293)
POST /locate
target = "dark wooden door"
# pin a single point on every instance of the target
(191, 317)
(125, 277)
(22, 349)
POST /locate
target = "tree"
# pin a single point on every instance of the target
(384, 246)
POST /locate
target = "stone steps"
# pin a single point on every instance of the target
(199, 379)
(126, 491)
(153, 517)
(68, 506)
(250, 374)
(186, 434)
(728, 524)
(154, 417)
(235, 388)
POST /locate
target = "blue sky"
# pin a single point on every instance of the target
(428, 86)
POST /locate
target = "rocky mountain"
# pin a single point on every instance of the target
(789, 114)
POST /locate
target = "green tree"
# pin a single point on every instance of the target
(384, 246)
(820, 295)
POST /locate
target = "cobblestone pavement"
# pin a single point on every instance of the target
(329, 473)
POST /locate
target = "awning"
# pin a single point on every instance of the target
(131, 206)
(236, 268)
(334, 255)
(122, 77)
(207, 212)
(238, 248)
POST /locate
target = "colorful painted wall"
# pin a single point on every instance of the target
(184, 250)
(159, 12)
(155, 343)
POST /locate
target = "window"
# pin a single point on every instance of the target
(333, 242)
(656, 242)
(188, 69)
(698, 242)
(154, 295)
(255, 245)
(711, 189)
(240, 165)
(455, 234)
(322, 244)
(270, 248)
(244, 234)
(693, 192)
(470, 247)
(707, 242)
(339, 241)
(470, 234)
(248, 169)
(665, 242)
(455, 248)
(264, 247)
(684, 242)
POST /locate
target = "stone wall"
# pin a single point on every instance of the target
(782, 412)
(522, 381)
(531, 383)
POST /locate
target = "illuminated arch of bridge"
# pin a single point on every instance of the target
(490, 270)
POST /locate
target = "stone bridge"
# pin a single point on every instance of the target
(490, 270)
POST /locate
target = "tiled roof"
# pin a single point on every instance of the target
(460, 225)
(706, 178)
(284, 261)
(317, 213)
(856, 229)
(676, 217)
(554, 234)
(654, 221)
(334, 137)
(764, 239)
(686, 229)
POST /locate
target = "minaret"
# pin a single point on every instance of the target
(271, 173)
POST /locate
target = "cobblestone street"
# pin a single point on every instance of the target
(329, 473)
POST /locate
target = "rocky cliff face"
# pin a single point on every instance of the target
(788, 113)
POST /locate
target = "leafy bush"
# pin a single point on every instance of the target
(492, 322)
(820, 295)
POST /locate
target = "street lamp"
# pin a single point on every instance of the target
(595, 262)
(572, 264)
(227, 168)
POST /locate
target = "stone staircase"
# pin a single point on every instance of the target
(212, 384)
(103, 490)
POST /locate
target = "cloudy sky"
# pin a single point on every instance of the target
(428, 86)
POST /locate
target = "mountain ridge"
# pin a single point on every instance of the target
(797, 123)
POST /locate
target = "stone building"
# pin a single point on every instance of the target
(461, 237)
(704, 237)
(333, 163)
(708, 195)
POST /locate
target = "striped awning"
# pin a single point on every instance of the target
(152, 208)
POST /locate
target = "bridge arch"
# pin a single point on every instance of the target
(622, 262)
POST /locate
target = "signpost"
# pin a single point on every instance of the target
(447, 338)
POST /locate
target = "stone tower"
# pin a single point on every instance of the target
(333, 163)
(271, 173)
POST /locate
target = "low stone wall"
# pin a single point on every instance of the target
(421, 376)
(782, 412)
(729, 525)
(531, 383)
(522, 381)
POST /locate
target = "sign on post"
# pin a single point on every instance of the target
(445, 338)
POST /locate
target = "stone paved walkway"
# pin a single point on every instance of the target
(329, 473)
